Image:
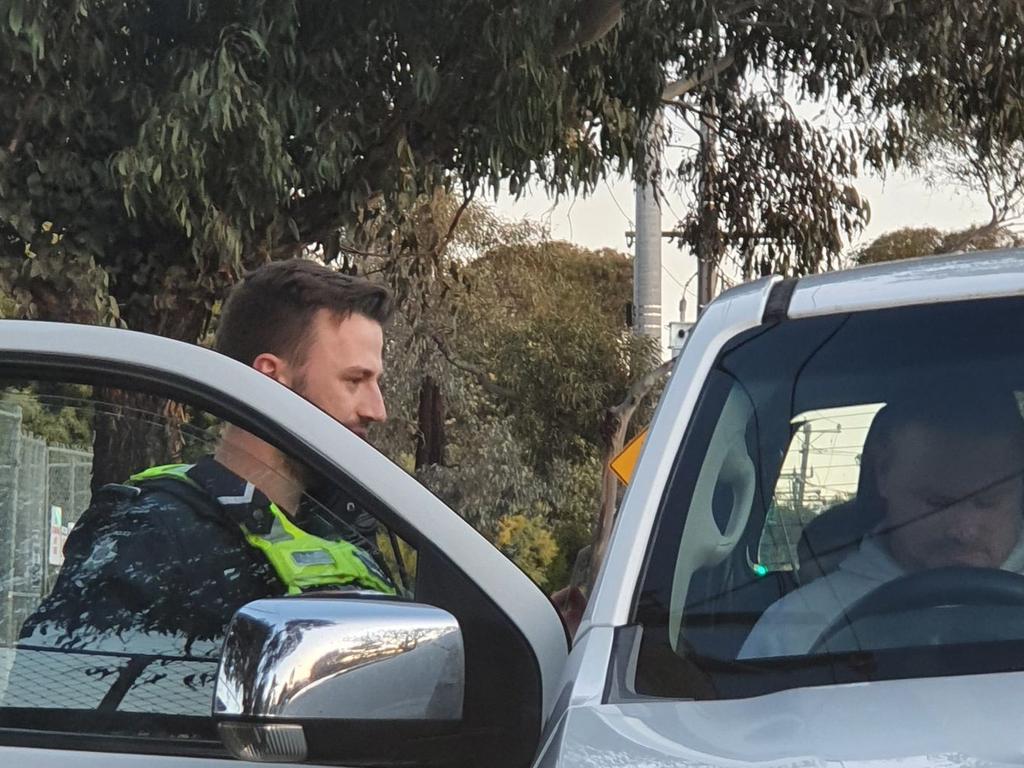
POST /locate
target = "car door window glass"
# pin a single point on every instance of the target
(127, 542)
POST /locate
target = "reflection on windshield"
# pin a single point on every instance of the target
(887, 453)
(949, 493)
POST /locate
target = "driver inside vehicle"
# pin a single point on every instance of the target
(949, 478)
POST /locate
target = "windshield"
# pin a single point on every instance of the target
(848, 504)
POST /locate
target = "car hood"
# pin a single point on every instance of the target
(967, 722)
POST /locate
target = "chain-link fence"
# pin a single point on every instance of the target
(43, 490)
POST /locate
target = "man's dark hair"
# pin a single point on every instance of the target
(272, 309)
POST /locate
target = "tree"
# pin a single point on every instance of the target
(774, 193)
(527, 345)
(771, 192)
(149, 151)
(910, 242)
(551, 318)
(905, 243)
(50, 412)
(449, 236)
(528, 542)
(152, 150)
(565, 358)
(959, 155)
(617, 420)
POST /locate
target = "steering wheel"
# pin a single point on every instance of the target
(948, 589)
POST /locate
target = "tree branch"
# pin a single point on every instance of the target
(596, 18)
(443, 245)
(639, 389)
(616, 424)
(483, 378)
(681, 87)
(971, 235)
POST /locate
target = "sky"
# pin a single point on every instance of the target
(602, 219)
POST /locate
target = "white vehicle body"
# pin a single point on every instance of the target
(585, 716)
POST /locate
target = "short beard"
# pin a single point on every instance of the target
(296, 469)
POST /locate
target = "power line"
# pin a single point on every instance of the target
(672, 210)
(568, 216)
(674, 278)
(626, 216)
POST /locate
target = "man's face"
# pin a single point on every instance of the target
(948, 499)
(342, 368)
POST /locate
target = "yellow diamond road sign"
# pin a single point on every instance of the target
(624, 464)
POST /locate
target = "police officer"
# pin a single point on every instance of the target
(160, 564)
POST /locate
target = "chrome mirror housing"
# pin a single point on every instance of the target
(294, 670)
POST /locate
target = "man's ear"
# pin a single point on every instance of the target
(275, 367)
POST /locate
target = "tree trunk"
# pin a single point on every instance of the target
(430, 440)
(616, 426)
(709, 240)
(135, 430)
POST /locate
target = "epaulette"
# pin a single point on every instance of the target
(121, 491)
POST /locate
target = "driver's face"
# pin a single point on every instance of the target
(951, 499)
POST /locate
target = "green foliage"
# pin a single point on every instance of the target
(527, 340)
(774, 193)
(880, 59)
(911, 242)
(529, 543)
(150, 151)
(549, 320)
(958, 154)
(572, 493)
(8, 306)
(905, 243)
(487, 475)
(54, 413)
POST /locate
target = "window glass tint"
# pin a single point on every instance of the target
(847, 504)
(131, 529)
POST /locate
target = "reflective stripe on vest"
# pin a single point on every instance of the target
(301, 560)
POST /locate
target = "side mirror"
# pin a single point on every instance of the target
(335, 678)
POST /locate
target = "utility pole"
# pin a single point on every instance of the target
(647, 318)
(647, 255)
(805, 454)
(709, 241)
(798, 479)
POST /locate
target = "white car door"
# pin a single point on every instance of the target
(83, 406)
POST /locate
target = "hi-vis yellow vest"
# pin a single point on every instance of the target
(301, 560)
